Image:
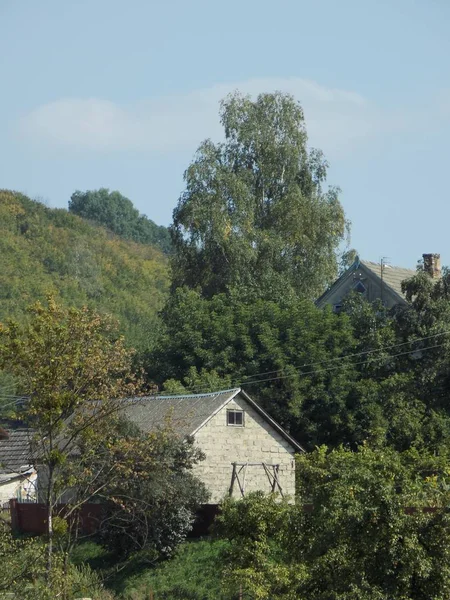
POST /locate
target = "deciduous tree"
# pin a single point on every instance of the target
(74, 369)
(255, 214)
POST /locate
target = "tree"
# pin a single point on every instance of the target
(368, 525)
(257, 559)
(73, 367)
(289, 355)
(117, 213)
(254, 214)
(152, 500)
(377, 524)
(77, 375)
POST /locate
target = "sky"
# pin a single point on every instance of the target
(107, 93)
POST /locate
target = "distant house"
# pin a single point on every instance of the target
(18, 477)
(375, 281)
(246, 450)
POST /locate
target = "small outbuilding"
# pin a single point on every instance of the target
(246, 450)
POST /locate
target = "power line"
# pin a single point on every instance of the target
(338, 358)
(18, 400)
(339, 366)
(249, 380)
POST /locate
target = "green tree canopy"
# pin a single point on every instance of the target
(368, 525)
(51, 251)
(280, 352)
(366, 375)
(117, 213)
(74, 368)
(254, 214)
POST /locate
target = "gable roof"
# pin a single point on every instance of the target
(15, 451)
(392, 278)
(189, 412)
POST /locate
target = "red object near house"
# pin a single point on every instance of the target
(31, 517)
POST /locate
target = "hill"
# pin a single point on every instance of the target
(117, 213)
(47, 250)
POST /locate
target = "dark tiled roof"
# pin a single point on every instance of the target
(392, 276)
(185, 413)
(15, 451)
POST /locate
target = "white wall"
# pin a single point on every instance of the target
(23, 486)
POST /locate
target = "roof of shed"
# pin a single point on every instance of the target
(186, 412)
(15, 453)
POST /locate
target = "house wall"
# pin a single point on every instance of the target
(23, 487)
(255, 442)
(9, 490)
(373, 291)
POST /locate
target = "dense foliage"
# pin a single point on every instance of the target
(24, 573)
(75, 372)
(52, 251)
(117, 213)
(365, 375)
(241, 343)
(72, 367)
(254, 215)
(373, 527)
(151, 502)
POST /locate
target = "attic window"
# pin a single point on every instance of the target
(235, 418)
(359, 287)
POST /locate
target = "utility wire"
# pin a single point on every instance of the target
(249, 380)
(338, 358)
(339, 366)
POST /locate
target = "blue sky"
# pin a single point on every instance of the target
(106, 93)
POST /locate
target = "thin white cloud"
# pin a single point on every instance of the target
(337, 120)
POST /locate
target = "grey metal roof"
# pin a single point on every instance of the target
(186, 413)
(15, 451)
(392, 276)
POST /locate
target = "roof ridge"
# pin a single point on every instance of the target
(180, 396)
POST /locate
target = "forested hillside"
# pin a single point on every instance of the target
(117, 213)
(47, 250)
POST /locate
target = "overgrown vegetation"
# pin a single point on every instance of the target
(367, 525)
(24, 573)
(117, 213)
(75, 372)
(50, 251)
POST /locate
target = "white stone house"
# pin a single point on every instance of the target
(246, 450)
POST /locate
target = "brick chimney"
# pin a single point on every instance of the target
(432, 265)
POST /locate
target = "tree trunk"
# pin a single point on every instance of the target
(50, 522)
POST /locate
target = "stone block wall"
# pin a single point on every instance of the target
(255, 442)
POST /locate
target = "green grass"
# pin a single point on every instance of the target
(192, 574)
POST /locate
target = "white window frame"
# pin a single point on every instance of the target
(234, 411)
